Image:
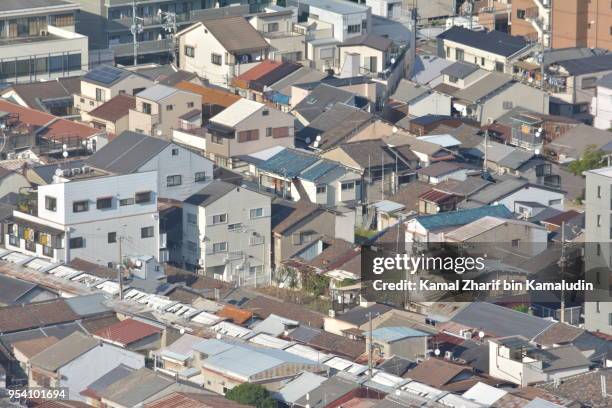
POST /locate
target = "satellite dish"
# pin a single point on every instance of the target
(65, 154)
(537, 152)
(392, 61)
(437, 352)
(395, 129)
(481, 334)
(308, 140)
(59, 172)
(318, 138)
(398, 392)
(159, 132)
(315, 144)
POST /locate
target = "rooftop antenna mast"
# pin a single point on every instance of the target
(136, 29)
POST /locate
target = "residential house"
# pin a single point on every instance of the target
(160, 108)
(193, 400)
(428, 70)
(447, 376)
(223, 238)
(353, 319)
(246, 127)
(103, 83)
(12, 182)
(17, 291)
(276, 24)
(441, 171)
(280, 91)
(391, 9)
(339, 123)
(573, 84)
(601, 105)
(214, 99)
(516, 360)
(253, 83)
(296, 175)
(263, 307)
(318, 101)
(347, 19)
(503, 158)
(397, 341)
(178, 356)
(54, 97)
(79, 211)
(267, 367)
(139, 388)
(329, 393)
(181, 172)
(112, 116)
(434, 201)
(132, 335)
(365, 54)
(432, 228)
(39, 41)
(71, 361)
(28, 131)
(305, 223)
(574, 142)
(327, 342)
(598, 230)
(220, 49)
(510, 190)
(493, 50)
(426, 152)
(414, 100)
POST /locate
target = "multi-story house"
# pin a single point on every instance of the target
(348, 19)
(226, 233)
(103, 83)
(90, 214)
(220, 49)
(159, 109)
(180, 171)
(493, 51)
(598, 253)
(38, 41)
(575, 23)
(391, 9)
(601, 105)
(246, 127)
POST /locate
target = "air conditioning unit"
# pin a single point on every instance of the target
(76, 171)
(331, 313)
(448, 355)
(66, 172)
(466, 334)
(86, 169)
(44, 33)
(201, 262)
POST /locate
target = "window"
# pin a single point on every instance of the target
(507, 105)
(271, 28)
(147, 232)
(77, 243)
(189, 51)
(192, 218)
(256, 239)
(599, 220)
(112, 237)
(143, 197)
(609, 319)
(515, 243)
(216, 59)
(173, 181)
(520, 14)
(175, 152)
(200, 176)
(104, 203)
(268, 132)
(220, 247)
(554, 202)
(80, 206)
(279, 132)
(234, 227)
(146, 108)
(216, 139)
(452, 79)
(169, 108)
(321, 189)
(499, 66)
(126, 201)
(589, 83)
(598, 191)
(482, 62)
(248, 135)
(219, 219)
(99, 95)
(265, 112)
(347, 186)
(353, 28)
(459, 54)
(50, 203)
(256, 213)
(190, 105)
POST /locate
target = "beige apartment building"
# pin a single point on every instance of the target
(159, 110)
(575, 23)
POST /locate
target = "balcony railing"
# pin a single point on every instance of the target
(148, 21)
(144, 47)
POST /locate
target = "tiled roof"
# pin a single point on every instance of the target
(435, 196)
(495, 42)
(31, 347)
(115, 109)
(64, 351)
(212, 96)
(235, 314)
(560, 218)
(436, 372)
(558, 333)
(440, 169)
(192, 400)
(39, 314)
(264, 307)
(127, 331)
(236, 34)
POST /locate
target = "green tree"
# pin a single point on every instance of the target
(251, 394)
(591, 158)
(521, 308)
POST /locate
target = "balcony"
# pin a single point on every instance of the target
(123, 24)
(144, 47)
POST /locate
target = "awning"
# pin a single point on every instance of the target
(35, 226)
(526, 66)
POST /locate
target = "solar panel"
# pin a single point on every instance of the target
(104, 74)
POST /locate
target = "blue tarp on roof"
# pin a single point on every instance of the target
(288, 163)
(278, 97)
(318, 170)
(462, 217)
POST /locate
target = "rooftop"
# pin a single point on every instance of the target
(460, 69)
(580, 66)
(334, 6)
(392, 334)
(368, 40)
(462, 217)
(495, 42)
(236, 34)
(64, 351)
(17, 5)
(127, 332)
(320, 100)
(114, 109)
(237, 112)
(157, 92)
(213, 191)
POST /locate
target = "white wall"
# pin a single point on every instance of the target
(534, 194)
(602, 108)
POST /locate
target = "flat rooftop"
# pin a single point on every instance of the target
(7, 6)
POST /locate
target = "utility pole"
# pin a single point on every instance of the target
(486, 147)
(135, 29)
(454, 12)
(471, 11)
(382, 180)
(370, 347)
(120, 268)
(563, 265)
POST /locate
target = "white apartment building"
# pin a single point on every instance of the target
(90, 214)
(348, 19)
(38, 41)
(226, 233)
(601, 106)
(390, 9)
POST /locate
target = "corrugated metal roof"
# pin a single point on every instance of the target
(391, 334)
(237, 112)
(288, 163)
(157, 92)
(318, 170)
(462, 217)
(64, 351)
(127, 331)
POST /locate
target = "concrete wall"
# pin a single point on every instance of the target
(602, 108)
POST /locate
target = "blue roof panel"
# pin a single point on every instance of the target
(391, 334)
(288, 163)
(318, 170)
(462, 217)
